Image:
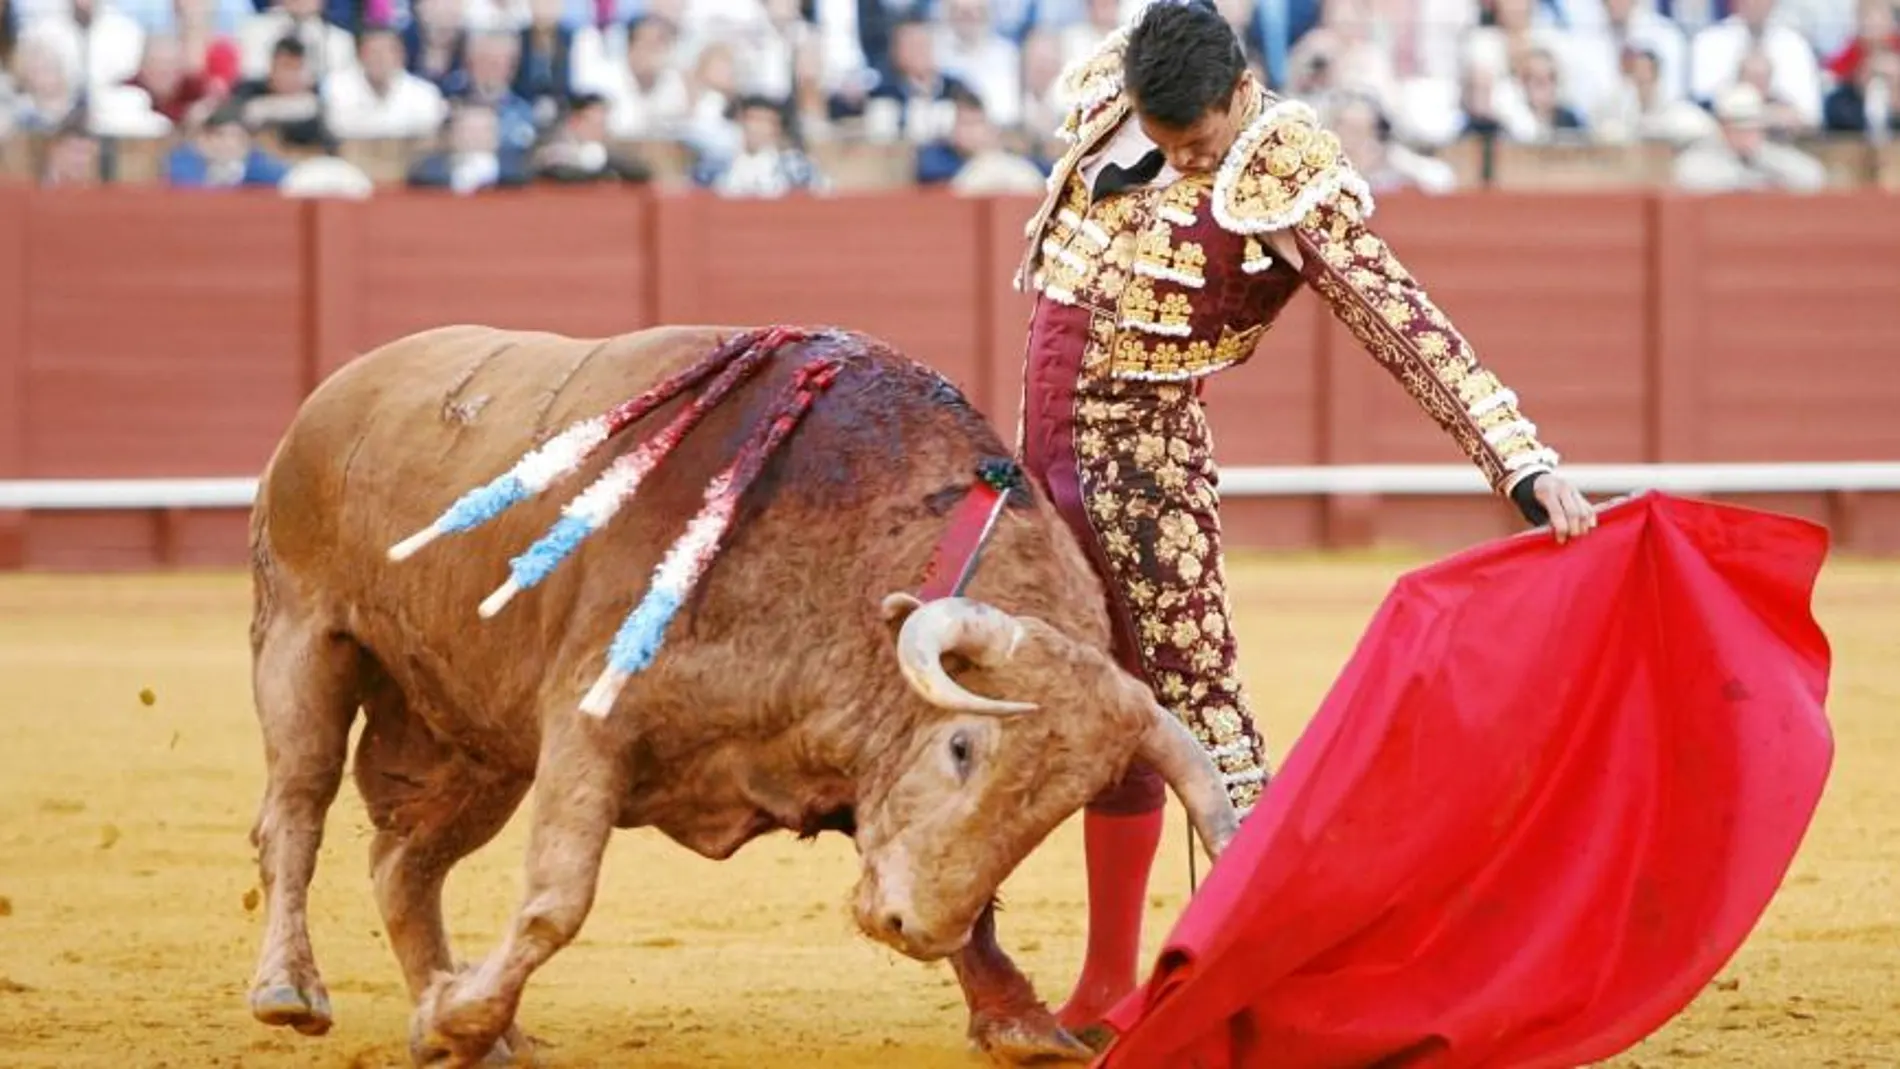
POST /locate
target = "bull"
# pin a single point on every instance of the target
(802, 686)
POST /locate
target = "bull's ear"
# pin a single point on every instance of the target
(897, 608)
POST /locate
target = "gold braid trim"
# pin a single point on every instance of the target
(1281, 167)
(1378, 300)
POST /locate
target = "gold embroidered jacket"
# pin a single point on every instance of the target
(1185, 278)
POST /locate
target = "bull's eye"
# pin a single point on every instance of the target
(960, 752)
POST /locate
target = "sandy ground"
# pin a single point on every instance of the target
(126, 941)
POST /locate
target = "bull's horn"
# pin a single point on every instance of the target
(984, 635)
(1174, 752)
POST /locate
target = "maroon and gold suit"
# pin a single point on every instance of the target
(1139, 296)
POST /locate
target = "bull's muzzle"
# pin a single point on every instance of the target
(887, 911)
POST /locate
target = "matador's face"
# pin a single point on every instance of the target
(1199, 147)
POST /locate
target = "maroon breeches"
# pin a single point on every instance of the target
(1058, 336)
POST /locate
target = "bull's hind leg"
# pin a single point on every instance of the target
(578, 794)
(432, 807)
(1007, 1021)
(304, 681)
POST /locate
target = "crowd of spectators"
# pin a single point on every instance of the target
(510, 92)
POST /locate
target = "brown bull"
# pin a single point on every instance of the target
(794, 690)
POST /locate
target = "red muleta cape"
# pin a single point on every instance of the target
(1548, 798)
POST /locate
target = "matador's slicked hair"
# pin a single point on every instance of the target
(1182, 60)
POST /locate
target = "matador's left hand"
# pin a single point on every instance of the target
(1570, 515)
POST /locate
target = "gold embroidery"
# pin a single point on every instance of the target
(1144, 459)
(1152, 246)
(1181, 202)
(1175, 310)
(1321, 151)
(1281, 165)
(1138, 300)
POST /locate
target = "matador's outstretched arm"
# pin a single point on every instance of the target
(1373, 294)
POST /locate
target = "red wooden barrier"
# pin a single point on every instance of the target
(150, 332)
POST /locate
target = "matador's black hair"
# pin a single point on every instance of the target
(1182, 60)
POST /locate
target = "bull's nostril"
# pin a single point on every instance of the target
(894, 923)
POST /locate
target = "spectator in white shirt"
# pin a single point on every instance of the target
(97, 46)
(379, 97)
(766, 164)
(1780, 114)
(646, 93)
(1642, 108)
(44, 93)
(1717, 53)
(1601, 54)
(970, 50)
(1742, 157)
(330, 48)
(1366, 138)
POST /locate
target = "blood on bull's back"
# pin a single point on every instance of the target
(847, 510)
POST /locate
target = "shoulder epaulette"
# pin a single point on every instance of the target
(1089, 85)
(1280, 168)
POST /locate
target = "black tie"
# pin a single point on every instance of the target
(1115, 178)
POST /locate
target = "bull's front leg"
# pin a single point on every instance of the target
(1007, 1021)
(578, 794)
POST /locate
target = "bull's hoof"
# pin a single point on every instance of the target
(1033, 1038)
(446, 1032)
(433, 1051)
(304, 1007)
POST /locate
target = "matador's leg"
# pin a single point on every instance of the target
(1144, 484)
(1150, 495)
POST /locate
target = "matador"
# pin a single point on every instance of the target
(1190, 207)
